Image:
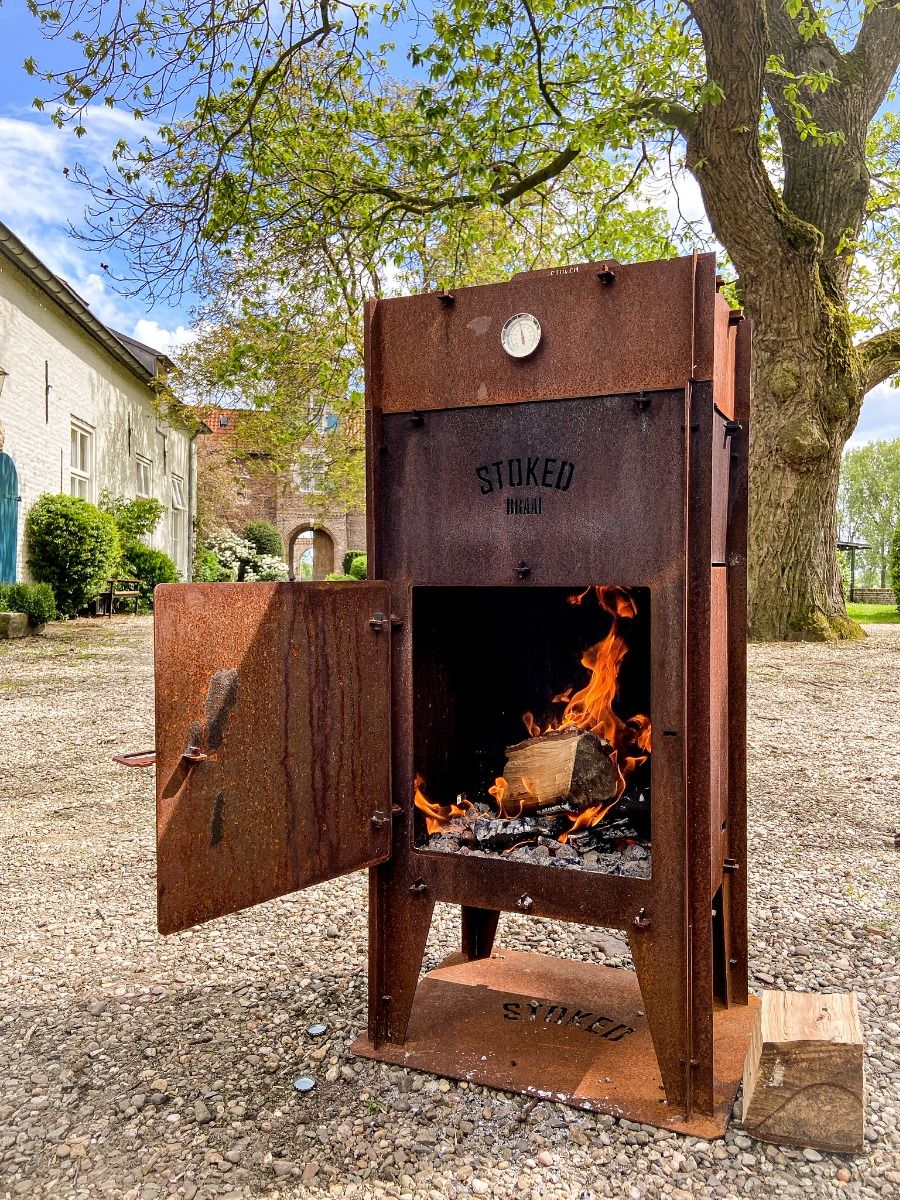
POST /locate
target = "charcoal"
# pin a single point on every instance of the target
(501, 834)
(636, 870)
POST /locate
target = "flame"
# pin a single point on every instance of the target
(507, 808)
(589, 709)
(534, 730)
(437, 815)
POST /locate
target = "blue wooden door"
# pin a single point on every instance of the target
(9, 518)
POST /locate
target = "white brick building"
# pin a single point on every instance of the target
(78, 411)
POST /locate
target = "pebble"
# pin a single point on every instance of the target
(224, 1007)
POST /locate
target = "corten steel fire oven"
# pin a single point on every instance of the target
(294, 719)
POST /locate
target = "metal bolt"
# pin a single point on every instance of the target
(379, 819)
(446, 298)
(642, 402)
(525, 903)
(415, 419)
(606, 274)
(378, 621)
(522, 571)
(731, 865)
(418, 887)
(194, 754)
(641, 921)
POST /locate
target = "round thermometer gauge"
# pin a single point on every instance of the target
(520, 335)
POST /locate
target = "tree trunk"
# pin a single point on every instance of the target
(807, 395)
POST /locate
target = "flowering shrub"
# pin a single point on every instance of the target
(239, 559)
(266, 567)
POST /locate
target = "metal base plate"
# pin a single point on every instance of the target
(557, 1030)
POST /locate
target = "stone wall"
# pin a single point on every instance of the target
(873, 596)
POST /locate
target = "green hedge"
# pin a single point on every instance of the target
(73, 547)
(264, 538)
(894, 565)
(358, 567)
(347, 561)
(34, 599)
(150, 567)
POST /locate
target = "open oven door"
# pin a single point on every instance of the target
(272, 741)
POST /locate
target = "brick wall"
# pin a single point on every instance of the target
(256, 494)
(89, 386)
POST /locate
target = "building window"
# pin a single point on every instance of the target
(309, 475)
(81, 461)
(223, 422)
(179, 509)
(144, 476)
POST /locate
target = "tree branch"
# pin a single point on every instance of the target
(724, 151)
(881, 357)
(539, 61)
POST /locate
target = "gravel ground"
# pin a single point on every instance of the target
(138, 1067)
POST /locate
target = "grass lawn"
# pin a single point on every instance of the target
(874, 614)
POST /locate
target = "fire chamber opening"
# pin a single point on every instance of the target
(532, 725)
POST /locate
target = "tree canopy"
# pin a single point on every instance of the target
(869, 506)
(294, 132)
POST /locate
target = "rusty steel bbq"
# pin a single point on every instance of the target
(536, 704)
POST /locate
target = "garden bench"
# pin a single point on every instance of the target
(119, 589)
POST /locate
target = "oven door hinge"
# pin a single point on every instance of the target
(379, 621)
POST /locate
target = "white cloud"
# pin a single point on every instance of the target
(151, 333)
(880, 416)
(38, 202)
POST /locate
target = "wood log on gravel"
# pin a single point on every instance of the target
(566, 766)
(803, 1077)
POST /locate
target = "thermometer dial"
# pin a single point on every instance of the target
(520, 335)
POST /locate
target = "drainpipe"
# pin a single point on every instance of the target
(192, 505)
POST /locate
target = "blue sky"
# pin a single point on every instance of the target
(37, 202)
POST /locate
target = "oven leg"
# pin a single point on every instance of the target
(479, 927)
(664, 995)
(399, 920)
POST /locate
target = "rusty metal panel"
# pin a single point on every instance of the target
(566, 1032)
(272, 740)
(718, 722)
(589, 489)
(638, 331)
(725, 333)
(721, 471)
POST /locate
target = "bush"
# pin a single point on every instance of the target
(135, 518)
(264, 538)
(73, 546)
(347, 562)
(207, 568)
(266, 567)
(337, 577)
(234, 553)
(239, 559)
(358, 567)
(894, 565)
(150, 567)
(34, 599)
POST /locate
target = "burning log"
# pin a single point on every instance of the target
(566, 766)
